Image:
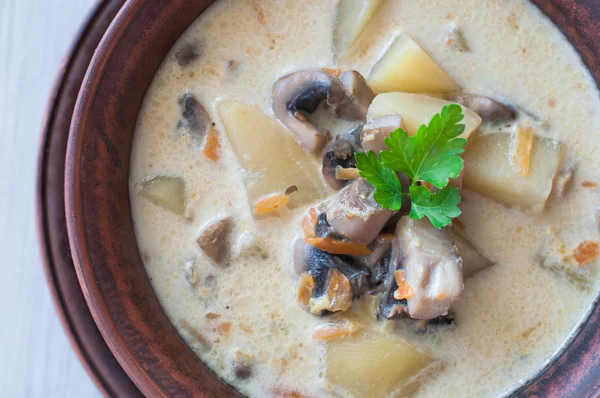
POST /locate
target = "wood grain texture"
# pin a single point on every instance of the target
(37, 359)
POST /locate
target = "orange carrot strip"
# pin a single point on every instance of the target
(399, 276)
(270, 204)
(333, 72)
(309, 222)
(332, 331)
(224, 328)
(586, 252)
(427, 185)
(335, 246)
(212, 146)
(589, 184)
(387, 236)
(305, 289)
(521, 150)
(285, 393)
(458, 224)
(314, 217)
(404, 291)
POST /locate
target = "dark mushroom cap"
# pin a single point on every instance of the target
(340, 153)
(303, 91)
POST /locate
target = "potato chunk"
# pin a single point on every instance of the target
(165, 191)
(407, 67)
(351, 18)
(490, 172)
(372, 364)
(417, 109)
(271, 157)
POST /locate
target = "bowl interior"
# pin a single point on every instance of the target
(101, 232)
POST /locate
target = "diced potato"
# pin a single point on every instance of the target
(351, 18)
(372, 364)
(490, 172)
(165, 191)
(407, 67)
(417, 109)
(472, 260)
(271, 157)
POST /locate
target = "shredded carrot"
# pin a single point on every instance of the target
(335, 246)
(309, 222)
(270, 204)
(314, 217)
(212, 315)
(440, 296)
(339, 291)
(211, 145)
(308, 228)
(224, 328)
(586, 252)
(405, 290)
(333, 72)
(399, 276)
(521, 150)
(284, 393)
(387, 236)
(427, 185)
(589, 184)
(346, 174)
(332, 331)
(458, 224)
(305, 288)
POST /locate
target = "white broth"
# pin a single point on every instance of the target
(509, 319)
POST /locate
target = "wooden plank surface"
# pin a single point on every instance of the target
(36, 358)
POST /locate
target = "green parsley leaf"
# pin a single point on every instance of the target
(439, 207)
(431, 155)
(388, 188)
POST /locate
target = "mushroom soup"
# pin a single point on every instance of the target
(376, 198)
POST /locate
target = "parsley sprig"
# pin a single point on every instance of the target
(430, 156)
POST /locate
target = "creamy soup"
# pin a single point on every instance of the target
(283, 270)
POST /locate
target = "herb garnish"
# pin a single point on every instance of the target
(430, 156)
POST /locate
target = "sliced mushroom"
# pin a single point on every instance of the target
(242, 364)
(187, 53)
(340, 154)
(437, 324)
(303, 91)
(328, 282)
(358, 96)
(194, 117)
(432, 267)
(355, 214)
(488, 109)
(214, 239)
(378, 262)
(324, 230)
(390, 307)
(374, 133)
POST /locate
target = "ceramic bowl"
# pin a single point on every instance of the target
(100, 227)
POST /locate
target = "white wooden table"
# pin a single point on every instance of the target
(36, 359)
